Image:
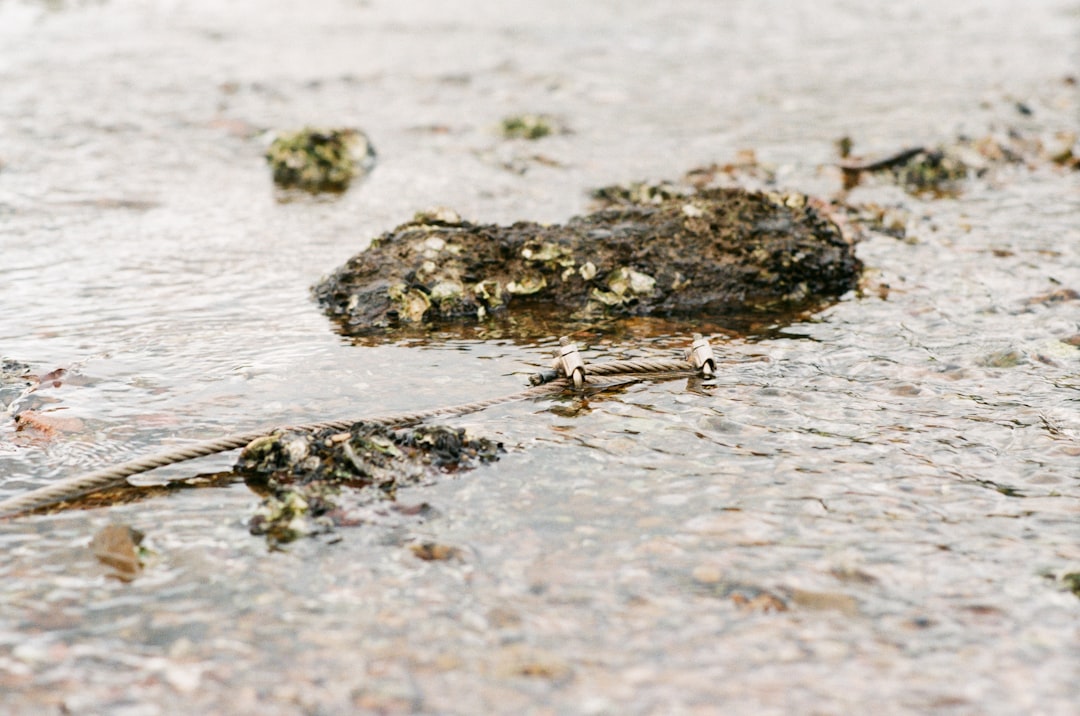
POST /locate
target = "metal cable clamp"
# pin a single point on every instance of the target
(568, 362)
(701, 356)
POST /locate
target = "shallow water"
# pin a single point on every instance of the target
(899, 473)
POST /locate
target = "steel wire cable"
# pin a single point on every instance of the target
(598, 375)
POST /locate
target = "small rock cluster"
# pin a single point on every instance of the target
(301, 474)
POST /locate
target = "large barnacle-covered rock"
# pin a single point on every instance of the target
(711, 251)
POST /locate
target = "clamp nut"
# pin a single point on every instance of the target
(701, 356)
(568, 362)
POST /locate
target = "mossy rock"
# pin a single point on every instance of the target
(710, 252)
(319, 160)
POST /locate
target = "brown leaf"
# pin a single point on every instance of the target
(835, 601)
(432, 551)
(116, 546)
(761, 602)
(1060, 295)
(46, 425)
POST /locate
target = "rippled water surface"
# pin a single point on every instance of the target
(874, 507)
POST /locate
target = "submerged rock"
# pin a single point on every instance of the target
(301, 473)
(318, 160)
(711, 251)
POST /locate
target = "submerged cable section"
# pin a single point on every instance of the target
(568, 370)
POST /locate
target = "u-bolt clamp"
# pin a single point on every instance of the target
(701, 356)
(568, 362)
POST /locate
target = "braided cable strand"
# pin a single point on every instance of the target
(415, 417)
(640, 365)
(596, 375)
(115, 475)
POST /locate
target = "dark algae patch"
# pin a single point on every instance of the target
(918, 170)
(312, 481)
(935, 172)
(710, 251)
(944, 170)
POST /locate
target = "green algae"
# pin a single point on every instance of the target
(528, 126)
